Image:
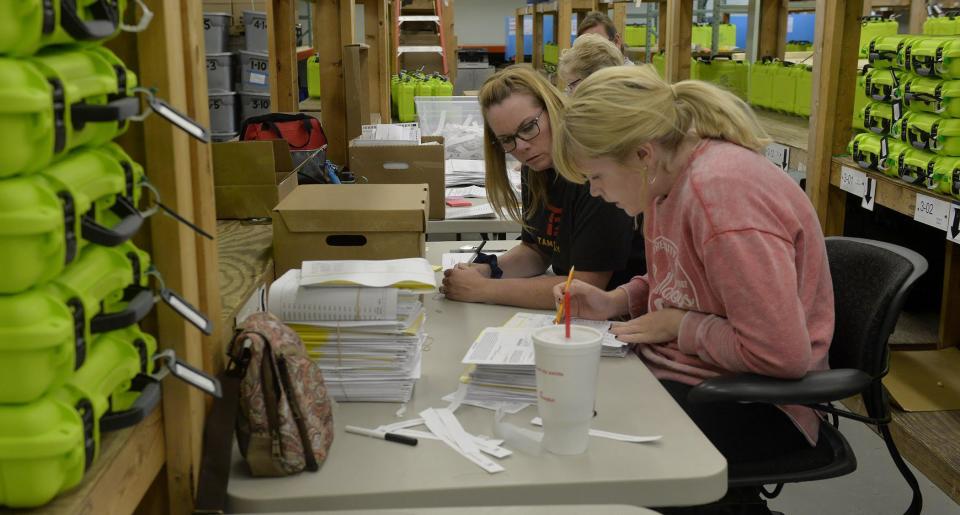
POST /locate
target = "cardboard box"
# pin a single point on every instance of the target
(250, 177)
(404, 164)
(349, 221)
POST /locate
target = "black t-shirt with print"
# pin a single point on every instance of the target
(578, 229)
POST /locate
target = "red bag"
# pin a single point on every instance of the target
(301, 131)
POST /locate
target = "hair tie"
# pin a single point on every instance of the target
(673, 91)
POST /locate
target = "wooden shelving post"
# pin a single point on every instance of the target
(835, 54)
(282, 45)
(332, 30)
(772, 37)
(376, 28)
(676, 32)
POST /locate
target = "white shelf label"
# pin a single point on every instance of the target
(853, 181)
(869, 194)
(953, 227)
(778, 154)
(258, 78)
(932, 211)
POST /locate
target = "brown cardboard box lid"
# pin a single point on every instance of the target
(245, 163)
(355, 207)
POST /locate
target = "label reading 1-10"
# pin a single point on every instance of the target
(256, 64)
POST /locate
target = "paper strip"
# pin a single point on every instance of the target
(612, 436)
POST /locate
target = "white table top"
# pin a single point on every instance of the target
(363, 473)
(592, 509)
(472, 225)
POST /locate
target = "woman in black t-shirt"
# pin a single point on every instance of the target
(563, 225)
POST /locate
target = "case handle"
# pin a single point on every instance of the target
(146, 402)
(137, 309)
(104, 26)
(118, 110)
(130, 222)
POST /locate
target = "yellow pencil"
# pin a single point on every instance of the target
(565, 288)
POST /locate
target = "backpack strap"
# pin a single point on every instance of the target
(218, 432)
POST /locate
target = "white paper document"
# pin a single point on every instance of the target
(468, 192)
(293, 303)
(452, 259)
(389, 134)
(501, 346)
(465, 172)
(410, 273)
(466, 213)
(612, 347)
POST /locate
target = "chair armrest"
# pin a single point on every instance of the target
(815, 387)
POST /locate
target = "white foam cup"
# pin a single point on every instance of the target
(566, 385)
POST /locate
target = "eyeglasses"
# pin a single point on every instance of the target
(525, 132)
(572, 86)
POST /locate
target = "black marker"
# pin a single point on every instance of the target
(383, 435)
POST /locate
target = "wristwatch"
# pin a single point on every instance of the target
(490, 259)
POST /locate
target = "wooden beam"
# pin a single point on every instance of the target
(201, 160)
(282, 46)
(332, 29)
(169, 165)
(773, 28)
(662, 26)
(518, 39)
(835, 54)
(450, 36)
(620, 19)
(538, 40)
(563, 21)
(377, 37)
(949, 321)
(918, 15)
(678, 36)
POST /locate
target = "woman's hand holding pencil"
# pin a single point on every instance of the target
(589, 302)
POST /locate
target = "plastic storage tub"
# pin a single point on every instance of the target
(761, 83)
(860, 100)
(254, 72)
(253, 104)
(26, 26)
(785, 88)
(636, 36)
(223, 112)
(803, 75)
(885, 52)
(458, 119)
(220, 72)
(255, 30)
(933, 56)
(931, 132)
(313, 77)
(216, 32)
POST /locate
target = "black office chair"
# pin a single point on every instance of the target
(871, 280)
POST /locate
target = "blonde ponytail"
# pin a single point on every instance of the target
(616, 110)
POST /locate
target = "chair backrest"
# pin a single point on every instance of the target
(870, 282)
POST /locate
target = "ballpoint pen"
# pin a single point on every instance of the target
(383, 435)
(477, 252)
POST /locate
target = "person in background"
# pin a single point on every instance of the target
(738, 279)
(563, 226)
(601, 24)
(589, 53)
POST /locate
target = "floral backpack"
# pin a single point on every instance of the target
(284, 424)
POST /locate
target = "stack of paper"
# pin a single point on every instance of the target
(468, 192)
(361, 322)
(501, 370)
(612, 347)
(465, 172)
(389, 134)
(466, 213)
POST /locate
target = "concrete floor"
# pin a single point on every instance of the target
(875, 488)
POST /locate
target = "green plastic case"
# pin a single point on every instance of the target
(940, 26)
(946, 176)
(933, 56)
(761, 83)
(867, 150)
(59, 100)
(636, 36)
(872, 28)
(48, 217)
(878, 117)
(406, 91)
(45, 332)
(803, 76)
(926, 131)
(886, 52)
(916, 166)
(313, 77)
(883, 85)
(26, 26)
(47, 445)
(785, 88)
(932, 95)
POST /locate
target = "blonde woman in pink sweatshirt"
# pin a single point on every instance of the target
(737, 275)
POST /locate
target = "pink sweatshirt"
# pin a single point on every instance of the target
(737, 243)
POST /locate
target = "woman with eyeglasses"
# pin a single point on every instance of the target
(563, 226)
